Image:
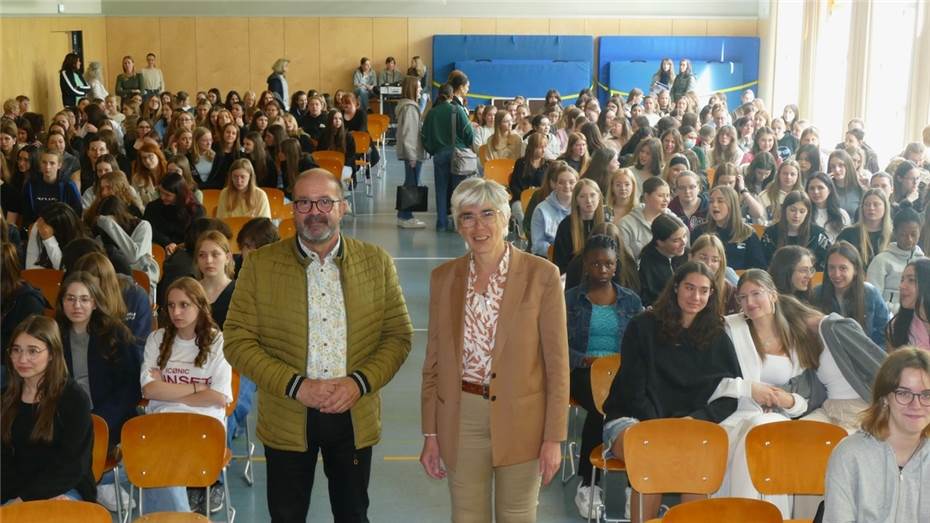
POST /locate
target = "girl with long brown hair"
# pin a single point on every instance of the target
(241, 196)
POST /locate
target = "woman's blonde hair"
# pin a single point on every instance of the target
(576, 221)
(875, 418)
(865, 245)
(713, 242)
(278, 66)
(739, 230)
(220, 239)
(634, 195)
(250, 195)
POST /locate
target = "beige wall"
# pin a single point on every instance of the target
(237, 53)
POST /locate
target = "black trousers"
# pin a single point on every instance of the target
(593, 428)
(290, 474)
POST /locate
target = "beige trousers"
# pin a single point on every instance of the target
(475, 481)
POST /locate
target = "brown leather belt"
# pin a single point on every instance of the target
(475, 388)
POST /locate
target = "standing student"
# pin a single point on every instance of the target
(277, 82)
(47, 432)
(129, 81)
(319, 323)
(673, 358)
(885, 270)
(101, 355)
(598, 312)
(744, 250)
(846, 292)
(71, 81)
(909, 325)
(241, 196)
(409, 147)
(881, 472)
(184, 370)
(153, 81)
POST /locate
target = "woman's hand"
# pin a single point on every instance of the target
(765, 395)
(430, 459)
(170, 248)
(550, 459)
(44, 230)
(785, 400)
(155, 373)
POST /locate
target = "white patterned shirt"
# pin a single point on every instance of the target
(481, 314)
(326, 316)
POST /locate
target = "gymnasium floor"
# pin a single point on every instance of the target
(400, 491)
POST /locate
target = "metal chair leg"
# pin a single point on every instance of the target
(230, 511)
(250, 451)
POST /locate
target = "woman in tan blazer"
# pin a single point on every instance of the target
(495, 380)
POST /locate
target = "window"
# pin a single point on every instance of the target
(788, 41)
(830, 75)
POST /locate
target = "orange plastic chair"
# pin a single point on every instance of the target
(176, 449)
(286, 228)
(211, 199)
(526, 196)
(711, 176)
(55, 510)
(331, 165)
(317, 155)
(603, 372)
(143, 280)
(158, 252)
(499, 170)
(817, 278)
(46, 280)
(235, 225)
(790, 457)
(675, 455)
(724, 509)
(362, 146)
(483, 155)
(101, 462)
(279, 209)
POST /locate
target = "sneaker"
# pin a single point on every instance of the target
(106, 496)
(412, 223)
(195, 497)
(584, 502)
(217, 497)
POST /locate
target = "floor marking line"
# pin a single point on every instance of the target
(421, 259)
(401, 458)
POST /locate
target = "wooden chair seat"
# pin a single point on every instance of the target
(612, 464)
(56, 510)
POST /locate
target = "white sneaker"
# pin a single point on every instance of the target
(106, 496)
(412, 223)
(583, 500)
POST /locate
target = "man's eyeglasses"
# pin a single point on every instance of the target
(324, 205)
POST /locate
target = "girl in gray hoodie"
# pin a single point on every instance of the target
(886, 268)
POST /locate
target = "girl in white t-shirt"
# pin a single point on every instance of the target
(184, 370)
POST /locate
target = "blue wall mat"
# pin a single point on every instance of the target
(511, 65)
(712, 76)
(715, 52)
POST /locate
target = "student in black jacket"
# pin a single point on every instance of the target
(661, 256)
(314, 122)
(674, 356)
(39, 192)
(46, 427)
(573, 231)
(795, 227)
(71, 81)
(19, 299)
(744, 250)
(172, 213)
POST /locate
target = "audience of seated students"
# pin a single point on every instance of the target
(576, 153)
(553, 205)
(709, 250)
(888, 455)
(190, 344)
(673, 356)
(690, 202)
(795, 227)
(872, 233)
(885, 270)
(241, 196)
(744, 249)
(172, 213)
(52, 231)
(598, 312)
(665, 252)
(46, 429)
(103, 359)
(622, 194)
(845, 291)
(587, 210)
(48, 188)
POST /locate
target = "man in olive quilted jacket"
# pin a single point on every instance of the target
(320, 324)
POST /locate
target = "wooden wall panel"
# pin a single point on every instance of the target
(266, 44)
(522, 26)
(343, 41)
(602, 26)
(13, 55)
(732, 28)
(479, 26)
(134, 36)
(686, 27)
(222, 53)
(178, 58)
(389, 38)
(645, 26)
(302, 47)
(566, 26)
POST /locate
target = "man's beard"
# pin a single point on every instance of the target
(303, 229)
